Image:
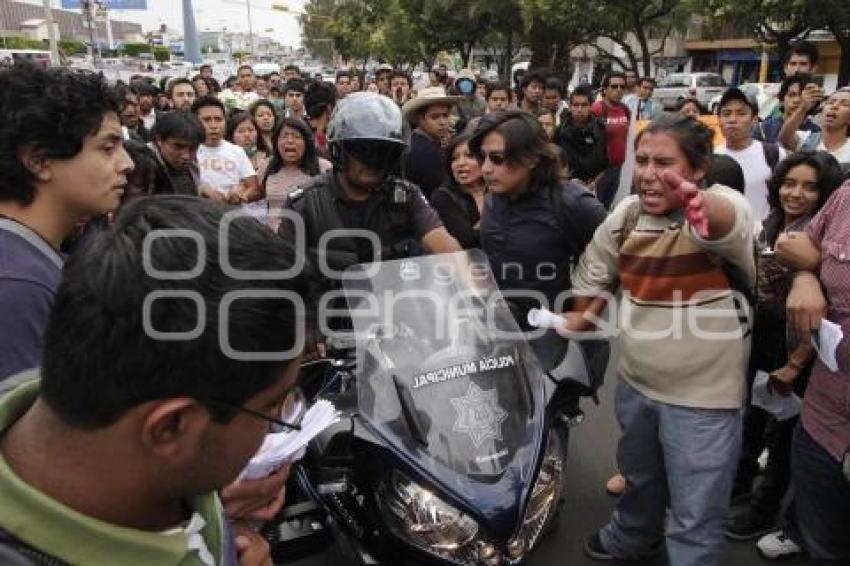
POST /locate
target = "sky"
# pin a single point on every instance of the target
(217, 14)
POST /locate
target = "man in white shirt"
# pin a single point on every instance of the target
(227, 175)
(738, 114)
(245, 95)
(835, 119)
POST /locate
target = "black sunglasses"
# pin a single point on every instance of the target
(494, 157)
(293, 403)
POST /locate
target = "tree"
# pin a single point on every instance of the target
(774, 22)
(18, 42)
(71, 47)
(134, 49)
(314, 24)
(507, 33)
(457, 25)
(553, 29)
(641, 19)
(162, 53)
(402, 40)
(834, 16)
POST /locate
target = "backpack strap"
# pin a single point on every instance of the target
(629, 223)
(771, 154)
(559, 206)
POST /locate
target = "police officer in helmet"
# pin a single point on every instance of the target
(363, 192)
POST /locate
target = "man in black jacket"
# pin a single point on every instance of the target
(582, 136)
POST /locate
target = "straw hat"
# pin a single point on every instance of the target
(427, 97)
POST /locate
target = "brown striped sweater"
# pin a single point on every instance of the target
(680, 337)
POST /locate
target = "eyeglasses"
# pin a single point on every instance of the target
(291, 409)
(494, 157)
(618, 86)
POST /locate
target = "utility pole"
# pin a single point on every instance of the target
(51, 34)
(250, 29)
(87, 7)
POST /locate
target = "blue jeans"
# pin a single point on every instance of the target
(822, 501)
(677, 457)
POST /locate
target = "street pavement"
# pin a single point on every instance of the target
(588, 507)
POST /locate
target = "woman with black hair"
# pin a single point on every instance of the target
(294, 160)
(800, 186)
(690, 107)
(243, 130)
(266, 117)
(460, 200)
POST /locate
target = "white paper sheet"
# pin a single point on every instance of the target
(542, 318)
(828, 338)
(782, 407)
(285, 447)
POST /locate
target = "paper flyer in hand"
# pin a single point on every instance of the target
(285, 447)
(542, 318)
(783, 407)
(828, 338)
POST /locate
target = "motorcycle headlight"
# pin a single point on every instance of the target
(424, 519)
(543, 501)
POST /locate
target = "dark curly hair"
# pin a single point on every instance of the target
(50, 111)
(829, 172)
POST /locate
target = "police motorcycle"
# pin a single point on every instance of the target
(451, 446)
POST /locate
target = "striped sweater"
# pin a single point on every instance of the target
(680, 337)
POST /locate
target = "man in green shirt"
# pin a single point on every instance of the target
(162, 371)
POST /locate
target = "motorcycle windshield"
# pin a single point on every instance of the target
(445, 374)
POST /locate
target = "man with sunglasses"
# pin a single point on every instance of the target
(140, 413)
(616, 116)
(364, 193)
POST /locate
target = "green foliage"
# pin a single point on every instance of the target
(18, 42)
(162, 53)
(71, 47)
(775, 23)
(135, 49)
(834, 16)
(403, 32)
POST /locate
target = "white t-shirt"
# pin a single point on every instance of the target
(842, 154)
(224, 165)
(756, 175)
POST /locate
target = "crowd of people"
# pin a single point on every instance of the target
(151, 429)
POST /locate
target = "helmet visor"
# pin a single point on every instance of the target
(377, 155)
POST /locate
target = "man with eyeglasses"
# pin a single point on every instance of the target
(128, 444)
(640, 104)
(616, 116)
